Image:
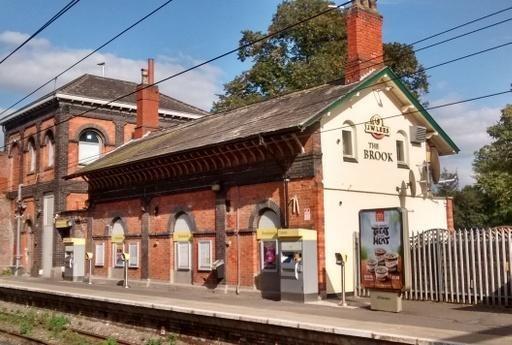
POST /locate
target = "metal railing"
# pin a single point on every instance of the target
(468, 266)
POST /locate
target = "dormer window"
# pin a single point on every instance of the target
(348, 137)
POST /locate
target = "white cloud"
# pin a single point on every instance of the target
(466, 124)
(12, 39)
(35, 64)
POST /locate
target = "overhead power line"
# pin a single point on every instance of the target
(444, 105)
(87, 56)
(262, 39)
(45, 25)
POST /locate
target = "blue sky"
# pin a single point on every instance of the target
(186, 32)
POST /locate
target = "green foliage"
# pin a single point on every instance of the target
(449, 185)
(310, 54)
(25, 327)
(57, 323)
(154, 341)
(471, 208)
(6, 272)
(109, 341)
(172, 339)
(493, 169)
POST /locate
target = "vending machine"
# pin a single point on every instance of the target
(298, 264)
(74, 258)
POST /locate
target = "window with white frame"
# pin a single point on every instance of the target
(204, 255)
(89, 147)
(133, 251)
(348, 139)
(99, 255)
(183, 256)
(31, 157)
(117, 255)
(401, 150)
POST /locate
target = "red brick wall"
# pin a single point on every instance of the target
(201, 206)
(76, 201)
(364, 43)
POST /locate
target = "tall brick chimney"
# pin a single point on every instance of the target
(364, 34)
(148, 99)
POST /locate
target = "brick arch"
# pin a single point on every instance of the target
(47, 134)
(100, 130)
(258, 211)
(14, 144)
(176, 212)
(31, 139)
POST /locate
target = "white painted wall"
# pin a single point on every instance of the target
(350, 187)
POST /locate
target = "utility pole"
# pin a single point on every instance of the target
(19, 210)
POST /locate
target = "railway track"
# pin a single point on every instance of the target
(27, 339)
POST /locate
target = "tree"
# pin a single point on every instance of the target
(448, 183)
(310, 54)
(471, 208)
(493, 168)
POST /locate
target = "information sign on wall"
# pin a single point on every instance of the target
(384, 249)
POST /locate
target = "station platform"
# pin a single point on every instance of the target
(419, 323)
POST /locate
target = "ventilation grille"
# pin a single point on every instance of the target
(418, 134)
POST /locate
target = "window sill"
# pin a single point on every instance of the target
(204, 270)
(402, 166)
(31, 173)
(350, 159)
(48, 168)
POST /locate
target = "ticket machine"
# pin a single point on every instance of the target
(74, 258)
(298, 264)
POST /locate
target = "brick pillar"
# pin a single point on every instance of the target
(220, 229)
(450, 224)
(119, 132)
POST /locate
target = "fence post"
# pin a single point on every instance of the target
(498, 266)
(504, 266)
(468, 272)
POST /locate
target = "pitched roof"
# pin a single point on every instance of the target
(106, 89)
(296, 110)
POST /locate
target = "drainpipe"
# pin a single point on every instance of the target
(18, 230)
(238, 240)
(285, 209)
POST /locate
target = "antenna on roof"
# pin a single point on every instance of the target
(102, 64)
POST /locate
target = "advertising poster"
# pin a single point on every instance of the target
(383, 252)
(269, 255)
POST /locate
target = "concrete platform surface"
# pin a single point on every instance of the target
(419, 323)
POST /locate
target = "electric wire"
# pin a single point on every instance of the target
(303, 135)
(220, 114)
(103, 45)
(66, 8)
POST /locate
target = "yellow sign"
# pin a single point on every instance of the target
(183, 236)
(117, 238)
(62, 223)
(74, 241)
(266, 234)
(305, 234)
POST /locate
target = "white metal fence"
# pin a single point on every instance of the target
(464, 266)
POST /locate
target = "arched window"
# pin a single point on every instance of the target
(50, 149)
(14, 155)
(117, 248)
(89, 147)
(348, 136)
(269, 220)
(183, 223)
(402, 153)
(31, 163)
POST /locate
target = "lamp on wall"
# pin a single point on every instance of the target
(215, 187)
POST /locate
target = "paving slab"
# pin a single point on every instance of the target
(421, 322)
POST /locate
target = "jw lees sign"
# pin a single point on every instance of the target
(377, 129)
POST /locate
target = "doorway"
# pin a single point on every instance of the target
(47, 252)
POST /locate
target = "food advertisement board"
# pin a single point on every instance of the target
(384, 249)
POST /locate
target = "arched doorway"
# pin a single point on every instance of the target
(182, 238)
(117, 250)
(27, 247)
(268, 282)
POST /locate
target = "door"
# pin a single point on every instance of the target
(47, 252)
(182, 233)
